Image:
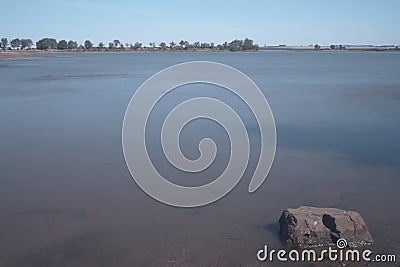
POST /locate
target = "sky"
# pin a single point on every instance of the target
(290, 22)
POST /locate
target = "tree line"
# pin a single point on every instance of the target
(16, 43)
(52, 44)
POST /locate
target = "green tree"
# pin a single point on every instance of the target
(116, 43)
(172, 44)
(182, 44)
(204, 45)
(196, 44)
(235, 45)
(46, 43)
(62, 45)
(4, 43)
(101, 45)
(88, 44)
(248, 44)
(15, 43)
(163, 46)
(137, 46)
(72, 44)
(26, 43)
(186, 45)
(111, 46)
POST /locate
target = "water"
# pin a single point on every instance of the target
(67, 198)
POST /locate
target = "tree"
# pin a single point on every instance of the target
(46, 43)
(111, 46)
(332, 47)
(62, 45)
(186, 45)
(4, 43)
(72, 44)
(235, 45)
(88, 44)
(248, 44)
(137, 46)
(196, 44)
(163, 46)
(204, 45)
(116, 43)
(317, 47)
(26, 43)
(182, 44)
(15, 43)
(101, 45)
(172, 44)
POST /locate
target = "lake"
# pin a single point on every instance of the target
(67, 197)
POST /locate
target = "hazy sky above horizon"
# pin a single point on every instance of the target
(268, 22)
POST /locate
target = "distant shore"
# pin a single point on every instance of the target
(332, 48)
(14, 54)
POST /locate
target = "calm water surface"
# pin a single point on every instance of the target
(67, 198)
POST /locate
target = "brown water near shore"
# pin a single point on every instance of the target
(67, 198)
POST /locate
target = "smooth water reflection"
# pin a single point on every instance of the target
(67, 199)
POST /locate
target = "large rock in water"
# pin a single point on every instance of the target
(307, 227)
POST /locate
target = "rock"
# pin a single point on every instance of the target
(307, 227)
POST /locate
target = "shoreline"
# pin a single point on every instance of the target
(17, 54)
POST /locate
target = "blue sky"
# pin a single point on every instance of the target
(268, 22)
